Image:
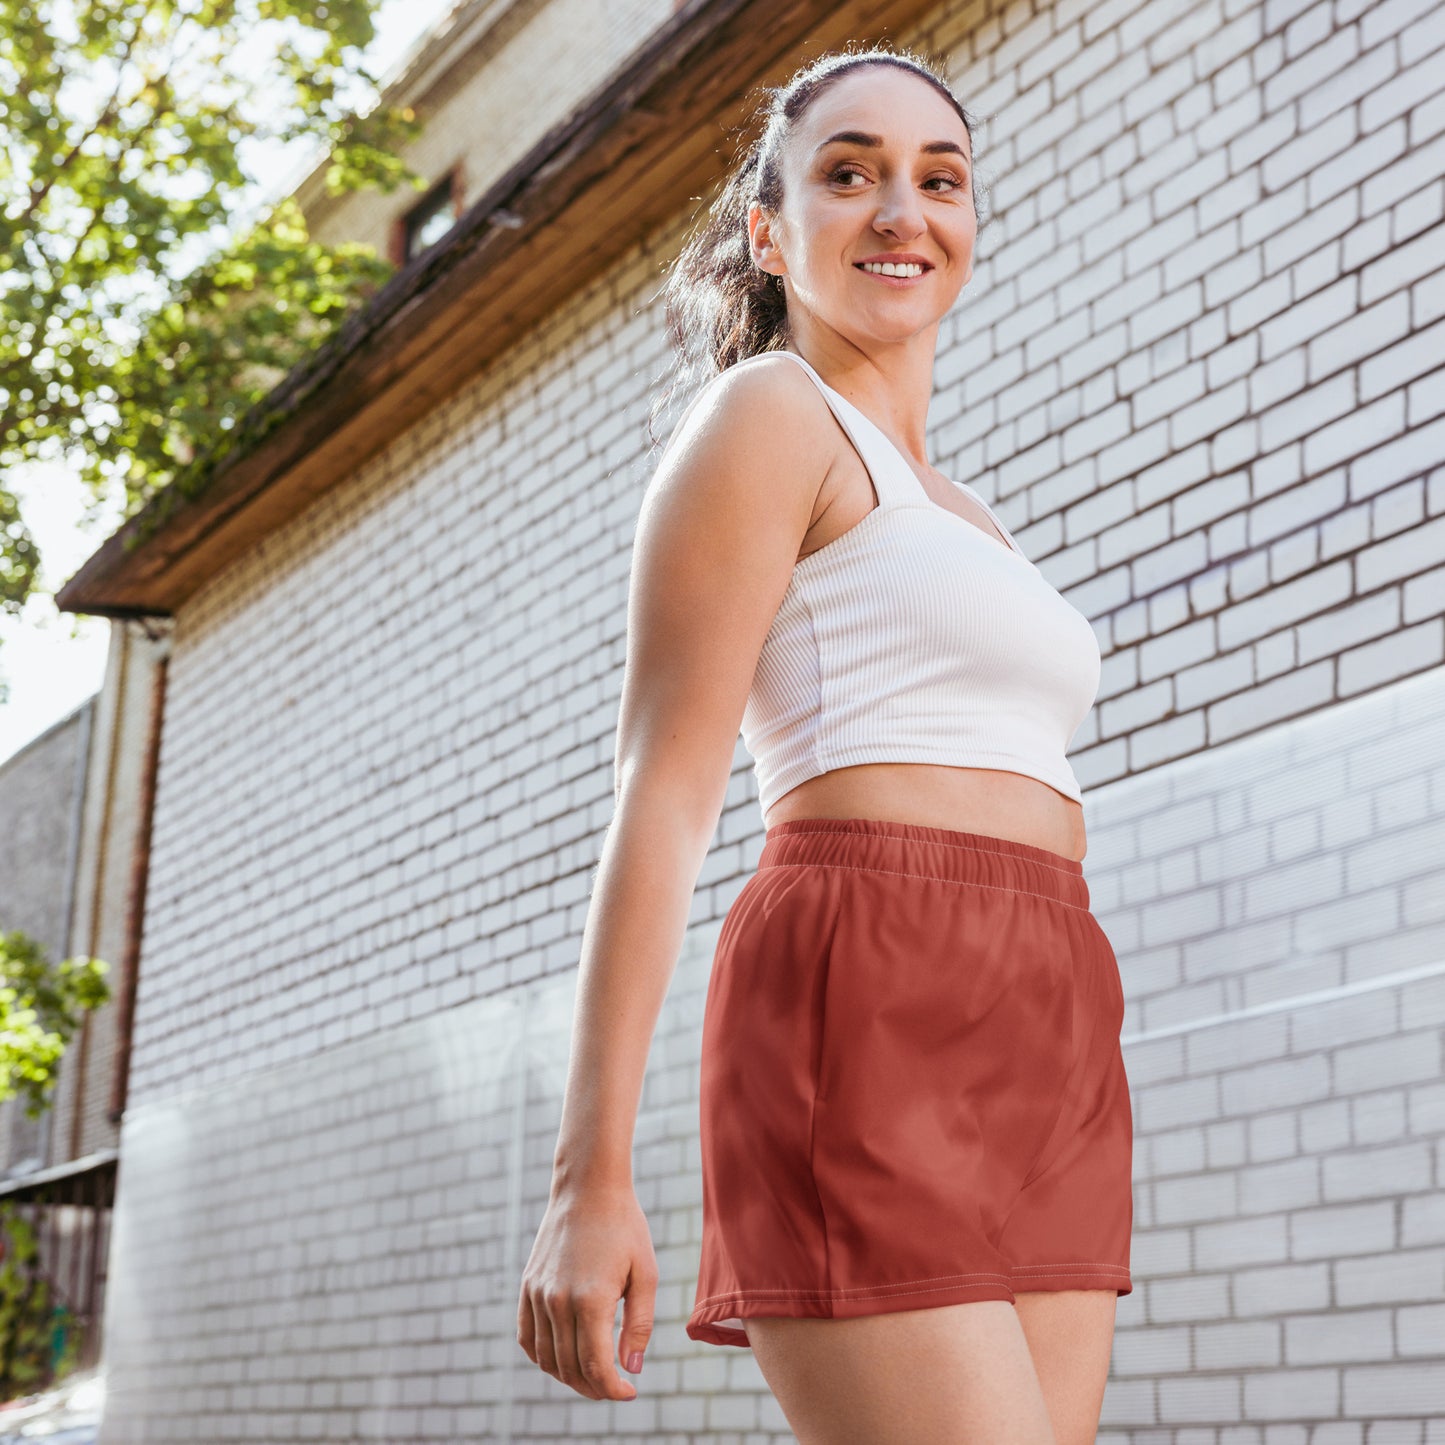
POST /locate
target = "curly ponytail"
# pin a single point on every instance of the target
(719, 306)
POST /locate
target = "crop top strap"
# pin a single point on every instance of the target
(894, 480)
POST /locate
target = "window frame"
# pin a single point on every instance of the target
(446, 192)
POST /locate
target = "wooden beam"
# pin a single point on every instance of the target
(591, 189)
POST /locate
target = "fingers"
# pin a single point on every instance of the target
(564, 1336)
(592, 1336)
(571, 1340)
(639, 1307)
(526, 1325)
(534, 1332)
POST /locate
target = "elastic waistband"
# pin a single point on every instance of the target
(916, 850)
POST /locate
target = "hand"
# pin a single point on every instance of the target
(592, 1249)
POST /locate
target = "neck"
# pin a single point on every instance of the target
(892, 386)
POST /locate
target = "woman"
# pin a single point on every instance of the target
(916, 1131)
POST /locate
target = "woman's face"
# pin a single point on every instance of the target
(899, 183)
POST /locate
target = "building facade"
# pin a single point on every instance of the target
(1198, 373)
(75, 810)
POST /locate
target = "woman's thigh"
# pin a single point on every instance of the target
(952, 1375)
(1071, 1337)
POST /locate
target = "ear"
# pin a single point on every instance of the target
(766, 254)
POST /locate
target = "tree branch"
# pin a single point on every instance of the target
(110, 110)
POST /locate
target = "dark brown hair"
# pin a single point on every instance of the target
(719, 307)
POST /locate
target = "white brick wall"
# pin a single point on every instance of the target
(1278, 909)
(1195, 372)
(1199, 366)
(387, 759)
(332, 1248)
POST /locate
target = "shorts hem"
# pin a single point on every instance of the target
(703, 1324)
(1029, 1278)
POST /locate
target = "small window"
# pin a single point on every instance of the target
(429, 220)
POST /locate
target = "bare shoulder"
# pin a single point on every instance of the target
(718, 537)
(763, 417)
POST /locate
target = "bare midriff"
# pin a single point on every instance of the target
(990, 801)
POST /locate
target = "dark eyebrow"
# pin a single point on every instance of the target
(862, 138)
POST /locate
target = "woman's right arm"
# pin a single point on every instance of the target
(719, 531)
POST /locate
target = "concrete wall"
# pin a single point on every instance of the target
(39, 788)
(1194, 373)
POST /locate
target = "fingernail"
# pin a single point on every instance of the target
(634, 1362)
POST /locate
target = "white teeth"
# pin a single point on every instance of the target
(890, 268)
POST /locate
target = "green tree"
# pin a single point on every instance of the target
(31, 1313)
(144, 307)
(41, 1005)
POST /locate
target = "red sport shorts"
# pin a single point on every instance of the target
(912, 1087)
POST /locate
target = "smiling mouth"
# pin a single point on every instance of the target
(898, 271)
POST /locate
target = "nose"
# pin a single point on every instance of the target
(900, 211)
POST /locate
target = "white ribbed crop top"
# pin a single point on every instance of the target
(915, 637)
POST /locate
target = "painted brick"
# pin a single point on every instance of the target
(1199, 1297)
(1395, 1389)
(1343, 1337)
(1202, 1398)
(1238, 1243)
(1295, 1394)
(1294, 1288)
(1238, 1345)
